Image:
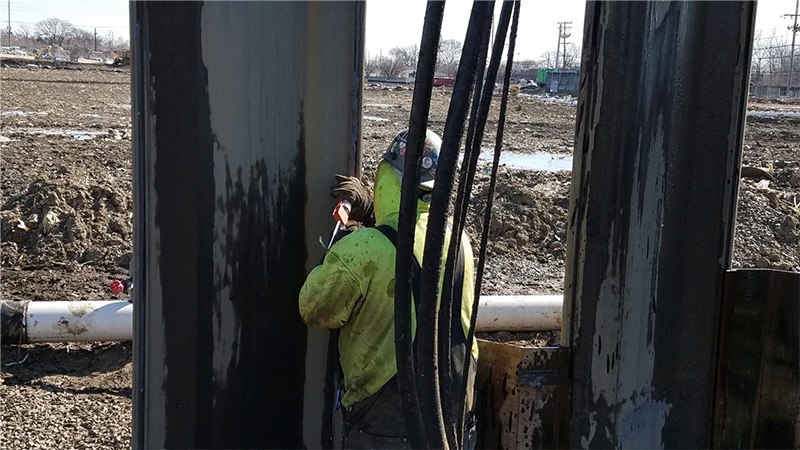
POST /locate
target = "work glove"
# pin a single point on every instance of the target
(359, 196)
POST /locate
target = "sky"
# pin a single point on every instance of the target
(105, 15)
(390, 23)
(538, 22)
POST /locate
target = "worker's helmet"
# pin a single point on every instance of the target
(396, 156)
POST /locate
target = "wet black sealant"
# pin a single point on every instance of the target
(13, 329)
(260, 403)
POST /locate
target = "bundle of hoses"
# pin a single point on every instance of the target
(423, 371)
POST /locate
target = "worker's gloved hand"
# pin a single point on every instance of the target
(359, 196)
(351, 226)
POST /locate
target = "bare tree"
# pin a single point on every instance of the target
(407, 56)
(526, 64)
(110, 41)
(771, 59)
(758, 61)
(53, 31)
(80, 43)
(547, 60)
(371, 66)
(390, 66)
(448, 57)
(121, 43)
(571, 58)
(25, 32)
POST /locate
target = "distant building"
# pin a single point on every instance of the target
(564, 82)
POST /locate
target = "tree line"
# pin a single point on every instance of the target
(400, 59)
(771, 58)
(54, 31)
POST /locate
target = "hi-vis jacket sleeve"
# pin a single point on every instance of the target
(329, 294)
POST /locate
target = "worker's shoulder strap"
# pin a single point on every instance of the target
(416, 270)
(416, 278)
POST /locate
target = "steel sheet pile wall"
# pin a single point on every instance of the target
(243, 112)
(758, 400)
(660, 123)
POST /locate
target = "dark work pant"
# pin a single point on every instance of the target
(377, 423)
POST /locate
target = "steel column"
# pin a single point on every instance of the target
(243, 112)
(661, 115)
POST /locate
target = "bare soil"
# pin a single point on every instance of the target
(65, 220)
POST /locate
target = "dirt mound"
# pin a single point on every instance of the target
(50, 224)
(529, 213)
(768, 225)
(527, 235)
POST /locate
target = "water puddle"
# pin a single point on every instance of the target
(546, 162)
(375, 119)
(773, 114)
(81, 135)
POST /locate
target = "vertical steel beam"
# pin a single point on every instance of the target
(243, 112)
(661, 116)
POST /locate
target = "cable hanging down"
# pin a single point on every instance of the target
(424, 377)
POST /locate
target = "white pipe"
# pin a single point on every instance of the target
(79, 321)
(519, 313)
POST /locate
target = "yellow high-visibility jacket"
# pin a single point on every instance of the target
(353, 289)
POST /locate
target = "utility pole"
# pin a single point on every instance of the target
(794, 29)
(9, 23)
(95, 39)
(564, 34)
(558, 47)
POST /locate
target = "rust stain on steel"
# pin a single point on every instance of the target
(522, 396)
(651, 221)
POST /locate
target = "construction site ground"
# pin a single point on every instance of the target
(67, 207)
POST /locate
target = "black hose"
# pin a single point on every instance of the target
(462, 194)
(418, 124)
(486, 102)
(453, 424)
(427, 328)
(498, 146)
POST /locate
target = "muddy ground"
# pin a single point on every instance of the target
(65, 220)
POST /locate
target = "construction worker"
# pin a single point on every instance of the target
(353, 290)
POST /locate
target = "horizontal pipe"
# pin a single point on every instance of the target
(82, 321)
(519, 313)
(62, 321)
